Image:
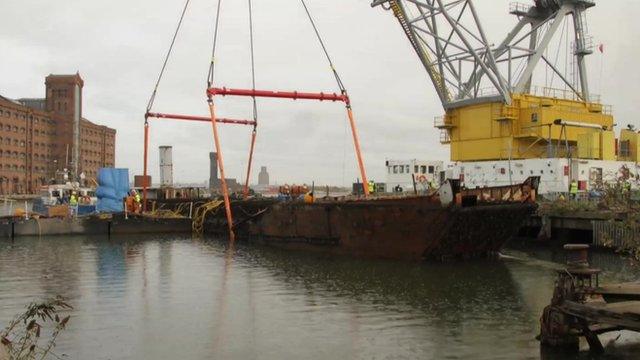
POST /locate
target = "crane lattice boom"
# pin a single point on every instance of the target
(463, 64)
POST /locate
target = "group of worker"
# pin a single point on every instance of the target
(574, 188)
(73, 201)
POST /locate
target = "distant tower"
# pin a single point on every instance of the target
(213, 170)
(263, 177)
(166, 166)
(64, 98)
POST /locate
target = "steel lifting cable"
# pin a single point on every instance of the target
(343, 90)
(255, 105)
(216, 138)
(166, 59)
(150, 105)
(253, 64)
(215, 43)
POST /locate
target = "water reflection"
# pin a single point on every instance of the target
(168, 298)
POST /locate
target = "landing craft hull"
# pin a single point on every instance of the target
(452, 223)
(409, 229)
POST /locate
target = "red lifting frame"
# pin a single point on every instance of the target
(295, 95)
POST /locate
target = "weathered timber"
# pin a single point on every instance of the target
(581, 307)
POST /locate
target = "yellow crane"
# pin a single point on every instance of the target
(493, 108)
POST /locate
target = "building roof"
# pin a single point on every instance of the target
(74, 77)
(34, 103)
(97, 125)
(9, 100)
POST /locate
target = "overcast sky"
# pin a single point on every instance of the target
(118, 47)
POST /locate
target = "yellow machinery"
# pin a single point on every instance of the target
(629, 146)
(529, 128)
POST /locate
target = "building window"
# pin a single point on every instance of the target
(431, 169)
(401, 169)
(395, 169)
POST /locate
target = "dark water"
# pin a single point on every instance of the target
(180, 298)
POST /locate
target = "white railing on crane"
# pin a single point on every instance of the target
(519, 8)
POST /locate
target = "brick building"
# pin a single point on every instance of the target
(40, 138)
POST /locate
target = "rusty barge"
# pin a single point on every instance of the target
(450, 223)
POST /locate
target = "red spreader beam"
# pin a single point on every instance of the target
(295, 95)
(200, 118)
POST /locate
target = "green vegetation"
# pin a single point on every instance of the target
(617, 203)
(23, 338)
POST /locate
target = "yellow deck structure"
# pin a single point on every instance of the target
(531, 127)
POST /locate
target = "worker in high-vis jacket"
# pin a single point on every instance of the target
(137, 201)
(73, 203)
(309, 198)
(573, 189)
(73, 200)
(372, 187)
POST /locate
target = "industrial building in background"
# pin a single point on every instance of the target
(214, 180)
(522, 107)
(263, 177)
(44, 140)
(166, 166)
